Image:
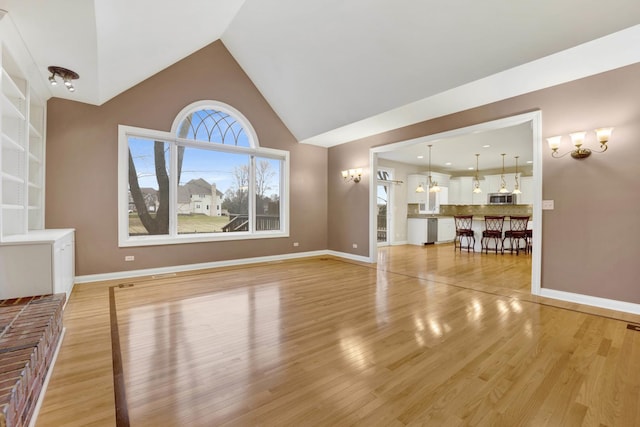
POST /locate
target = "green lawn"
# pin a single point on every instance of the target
(196, 223)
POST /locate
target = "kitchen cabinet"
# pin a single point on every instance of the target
(493, 182)
(460, 191)
(38, 263)
(421, 231)
(441, 198)
(446, 230)
(526, 186)
(412, 183)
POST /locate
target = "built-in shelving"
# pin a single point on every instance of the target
(33, 260)
(22, 132)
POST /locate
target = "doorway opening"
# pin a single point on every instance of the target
(534, 119)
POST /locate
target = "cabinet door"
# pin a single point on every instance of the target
(466, 190)
(416, 231)
(455, 188)
(446, 230)
(526, 186)
(63, 265)
(25, 270)
(413, 181)
(441, 198)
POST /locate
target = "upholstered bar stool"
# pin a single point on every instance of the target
(492, 232)
(517, 232)
(464, 231)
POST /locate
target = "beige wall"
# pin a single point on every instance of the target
(81, 179)
(591, 241)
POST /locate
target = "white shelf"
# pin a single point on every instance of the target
(34, 132)
(9, 86)
(22, 148)
(10, 144)
(12, 207)
(9, 109)
(34, 158)
(12, 178)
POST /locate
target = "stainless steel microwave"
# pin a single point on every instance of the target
(502, 199)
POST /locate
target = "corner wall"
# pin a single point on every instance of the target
(590, 240)
(82, 166)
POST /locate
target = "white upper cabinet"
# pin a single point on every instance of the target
(526, 186)
(413, 181)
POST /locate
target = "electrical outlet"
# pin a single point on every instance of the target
(296, 244)
(547, 205)
(129, 258)
(355, 246)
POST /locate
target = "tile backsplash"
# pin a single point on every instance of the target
(481, 210)
(477, 210)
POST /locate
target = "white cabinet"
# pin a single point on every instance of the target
(422, 230)
(493, 182)
(413, 181)
(38, 263)
(526, 186)
(446, 230)
(441, 198)
(455, 187)
(461, 190)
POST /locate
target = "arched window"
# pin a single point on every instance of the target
(211, 158)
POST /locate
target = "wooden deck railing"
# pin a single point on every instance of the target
(240, 222)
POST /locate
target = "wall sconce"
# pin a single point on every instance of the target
(354, 175)
(577, 138)
(65, 75)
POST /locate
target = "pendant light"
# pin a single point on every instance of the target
(433, 185)
(516, 188)
(476, 179)
(503, 183)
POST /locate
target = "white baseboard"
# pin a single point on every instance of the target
(352, 257)
(610, 304)
(404, 242)
(215, 264)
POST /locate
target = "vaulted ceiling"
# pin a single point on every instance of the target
(336, 70)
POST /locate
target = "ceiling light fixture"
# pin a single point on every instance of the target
(476, 179)
(433, 185)
(516, 188)
(503, 183)
(66, 75)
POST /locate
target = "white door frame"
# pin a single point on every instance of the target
(535, 118)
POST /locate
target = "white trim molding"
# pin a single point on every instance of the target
(610, 304)
(214, 264)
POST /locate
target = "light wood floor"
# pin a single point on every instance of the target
(425, 337)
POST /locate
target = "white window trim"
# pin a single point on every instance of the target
(124, 132)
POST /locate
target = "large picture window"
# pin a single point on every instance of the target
(208, 179)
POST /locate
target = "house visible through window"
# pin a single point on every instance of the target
(211, 158)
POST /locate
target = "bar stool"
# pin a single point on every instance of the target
(529, 240)
(517, 232)
(492, 231)
(464, 231)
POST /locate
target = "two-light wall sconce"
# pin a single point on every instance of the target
(577, 138)
(354, 175)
